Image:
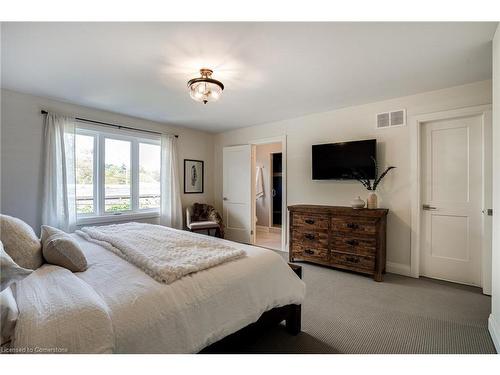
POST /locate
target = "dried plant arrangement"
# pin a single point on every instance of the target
(366, 182)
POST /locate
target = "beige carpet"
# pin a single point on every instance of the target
(349, 313)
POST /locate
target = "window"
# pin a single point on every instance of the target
(149, 175)
(117, 176)
(117, 173)
(84, 146)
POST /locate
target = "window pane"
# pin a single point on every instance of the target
(117, 175)
(84, 149)
(149, 176)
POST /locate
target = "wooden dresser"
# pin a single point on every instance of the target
(339, 237)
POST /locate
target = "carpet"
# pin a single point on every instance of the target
(349, 313)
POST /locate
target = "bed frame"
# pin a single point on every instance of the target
(291, 314)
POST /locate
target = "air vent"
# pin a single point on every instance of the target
(383, 120)
(391, 119)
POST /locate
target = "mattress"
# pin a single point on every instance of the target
(146, 316)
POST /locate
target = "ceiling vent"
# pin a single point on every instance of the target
(391, 119)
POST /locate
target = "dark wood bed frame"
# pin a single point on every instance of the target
(291, 314)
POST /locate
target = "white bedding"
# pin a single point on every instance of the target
(183, 317)
(59, 313)
(164, 253)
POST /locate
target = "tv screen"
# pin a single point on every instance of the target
(339, 161)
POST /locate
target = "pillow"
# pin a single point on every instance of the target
(8, 315)
(10, 271)
(20, 242)
(62, 250)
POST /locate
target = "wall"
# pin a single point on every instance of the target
(21, 151)
(262, 159)
(354, 123)
(494, 321)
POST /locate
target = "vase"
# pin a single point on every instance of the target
(372, 201)
(357, 203)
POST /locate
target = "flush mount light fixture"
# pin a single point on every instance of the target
(205, 89)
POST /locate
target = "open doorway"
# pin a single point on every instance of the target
(268, 195)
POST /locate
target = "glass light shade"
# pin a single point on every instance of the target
(205, 92)
(205, 89)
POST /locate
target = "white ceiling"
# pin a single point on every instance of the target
(272, 71)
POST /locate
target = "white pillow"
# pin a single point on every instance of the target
(8, 315)
(10, 271)
(62, 250)
(20, 242)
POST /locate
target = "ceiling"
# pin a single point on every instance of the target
(271, 71)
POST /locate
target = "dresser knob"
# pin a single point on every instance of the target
(308, 251)
(352, 226)
(352, 259)
(352, 242)
(309, 236)
(309, 221)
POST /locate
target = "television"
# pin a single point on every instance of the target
(340, 161)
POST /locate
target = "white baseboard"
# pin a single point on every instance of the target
(398, 268)
(494, 328)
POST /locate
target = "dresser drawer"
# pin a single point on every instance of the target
(309, 252)
(310, 221)
(311, 238)
(354, 262)
(353, 225)
(360, 245)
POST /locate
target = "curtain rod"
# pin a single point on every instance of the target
(43, 112)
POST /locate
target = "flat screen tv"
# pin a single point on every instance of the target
(339, 161)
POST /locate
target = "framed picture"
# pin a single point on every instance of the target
(193, 176)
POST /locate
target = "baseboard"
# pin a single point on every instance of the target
(494, 328)
(398, 268)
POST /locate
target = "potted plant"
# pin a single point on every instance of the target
(372, 201)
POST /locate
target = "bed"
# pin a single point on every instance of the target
(114, 307)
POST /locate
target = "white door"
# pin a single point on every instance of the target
(237, 174)
(452, 191)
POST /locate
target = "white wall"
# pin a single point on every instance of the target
(354, 123)
(494, 321)
(21, 151)
(262, 159)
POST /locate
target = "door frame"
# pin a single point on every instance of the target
(262, 141)
(415, 176)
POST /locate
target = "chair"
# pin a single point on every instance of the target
(203, 217)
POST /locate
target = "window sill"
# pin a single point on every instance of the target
(117, 218)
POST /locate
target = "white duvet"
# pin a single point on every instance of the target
(115, 307)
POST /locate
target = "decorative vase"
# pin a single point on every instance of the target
(357, 203)
(371, 202)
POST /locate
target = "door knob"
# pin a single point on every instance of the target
(488, 211)
(427, 207)
(225, 199)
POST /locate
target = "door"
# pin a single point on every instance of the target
(452, 192)
(237, 208)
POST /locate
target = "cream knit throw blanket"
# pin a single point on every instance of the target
(163, 253)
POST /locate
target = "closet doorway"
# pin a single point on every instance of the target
(268, 179)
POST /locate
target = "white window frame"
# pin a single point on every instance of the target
(100, 134)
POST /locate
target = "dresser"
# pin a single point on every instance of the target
(339, 237)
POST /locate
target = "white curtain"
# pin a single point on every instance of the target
(171, 207)
(59, 186)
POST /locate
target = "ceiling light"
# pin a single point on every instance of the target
(205, 89)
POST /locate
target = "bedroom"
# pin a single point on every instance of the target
(287, 187)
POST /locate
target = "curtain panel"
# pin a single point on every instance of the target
(59, 184)
(171, 207)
